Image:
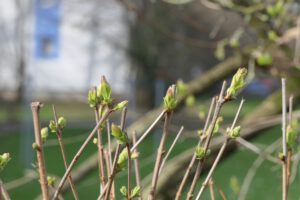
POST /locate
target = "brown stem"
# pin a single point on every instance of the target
(220, 153)
(62, 150)
(189, 169)
(159, 157)
(201, 162)
(98, 112)
(284, 144)
(3, 192)
(35, 107)
(79, 152)
(211, 189)
(129, 172)
(106, 190)
(212, 169)
(137, 168)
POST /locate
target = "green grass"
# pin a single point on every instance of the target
(266, 184)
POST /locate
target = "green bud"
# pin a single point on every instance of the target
(4, 159)
(200, 132)
(201, 114)
(35, 146)
(120, 105)
(92, 98)
(234, 185)
(200, 152)
(291, 136)
(264, 59)
(95, 141)
(281, 156)
(62, 122)
(105, 91)
(51, 181)
(190, 100)
(44, 134)
(170, 100)
(118, 134)
(218, 125)
(122, 160)
(237, 83)
(123, 190)
(52, 126)
(181, 88)
(235, 132)
(135, 192)
(135, 155)
(272, 36)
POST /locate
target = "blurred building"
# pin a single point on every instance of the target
(61, 47)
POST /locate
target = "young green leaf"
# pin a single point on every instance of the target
(123, 191)
(44, 134)
(51, 181)
(118, 134)
(104, 91)
(235, 132)
(120, 105)
(93, 98)
(62, 122)
(52, 126)
(237, 83)
(170, 100)
(4, 159)
(135, 192)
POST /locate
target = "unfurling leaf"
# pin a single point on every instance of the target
(123, 190)
(52, 126)
(235, 132)
(135, 192)
(170, 100)
(122, 160)
(51, 181)
(120, 105)
(118, 134)
(237, 83)
(62, 122)
(4, 159)
(104, 91)
(200, 152)
(44, 134)
(93, 98)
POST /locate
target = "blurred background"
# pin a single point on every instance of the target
(54, 51)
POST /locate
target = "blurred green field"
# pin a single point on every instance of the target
(266, 184)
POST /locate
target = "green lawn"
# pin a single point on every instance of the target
(266, 183)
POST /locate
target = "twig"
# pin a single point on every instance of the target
(159, 157)
(114, 168)
(257, 150)
(189, 169)
(211, 189)
(220, 153)
(35, 107)
(290, 153)
(3, 192)
(137, 168)
(62, 150)
(284, 145)
(170, 149)
(79, 152)
(148, 130)
(252, 171)
(128, 171)
(201, 162)
(136, 144)
(98, 113)
(221, 192)
(109, 157)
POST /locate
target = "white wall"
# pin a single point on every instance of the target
(94, 36)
